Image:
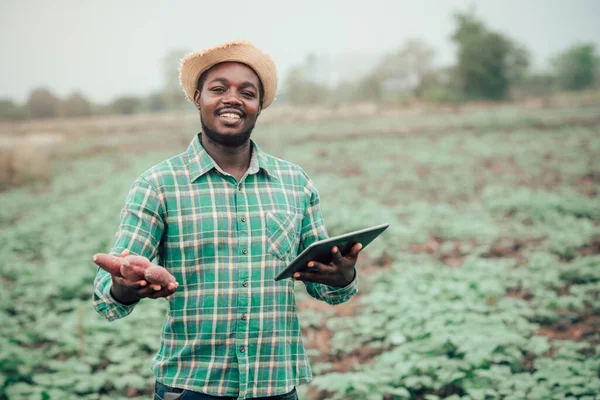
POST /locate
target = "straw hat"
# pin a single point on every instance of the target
(194, 64)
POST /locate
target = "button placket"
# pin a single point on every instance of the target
(241, 250)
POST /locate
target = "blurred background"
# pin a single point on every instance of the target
(471, 127)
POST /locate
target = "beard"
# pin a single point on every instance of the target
(231, 141)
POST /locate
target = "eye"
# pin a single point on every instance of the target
(248, 94)
(218, 89)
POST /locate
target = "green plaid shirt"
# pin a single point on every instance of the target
(231, 329)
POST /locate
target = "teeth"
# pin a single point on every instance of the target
(230, 115)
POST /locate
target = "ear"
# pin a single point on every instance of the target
(197, 99)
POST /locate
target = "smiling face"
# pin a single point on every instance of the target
(228, 98)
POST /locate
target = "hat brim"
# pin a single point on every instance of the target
(194, 64)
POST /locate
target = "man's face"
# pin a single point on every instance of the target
(229, 103)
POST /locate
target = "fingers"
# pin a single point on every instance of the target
(124, 253)
(167, 291)
(317, 272)
(135, 285)
(320, 268)
(311, 277)
(337, 256)
(149, 291)
(155, 291)
(353, 253)
(158, 275)
(338, 273)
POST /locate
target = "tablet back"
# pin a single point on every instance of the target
(321, 251)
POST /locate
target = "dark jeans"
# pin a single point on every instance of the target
(164, 392)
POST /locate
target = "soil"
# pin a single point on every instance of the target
(591, 248)
(319, 338)
(510, 249)
(586, 328)
(520, 293)
(453, 257)
(434, 130)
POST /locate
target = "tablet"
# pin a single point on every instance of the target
(320, 251)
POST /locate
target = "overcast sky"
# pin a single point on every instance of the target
(114, 47)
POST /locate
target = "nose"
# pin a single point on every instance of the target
(232, 98)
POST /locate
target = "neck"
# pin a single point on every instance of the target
(233, 160)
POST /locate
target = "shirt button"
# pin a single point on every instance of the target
(243, 317)
(240, 188)
(243, 219)
(242, 349)
(245, 251)
(245, 283)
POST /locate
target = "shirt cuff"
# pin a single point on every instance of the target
(345, 292)
(115, 309)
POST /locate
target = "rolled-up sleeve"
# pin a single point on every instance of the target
(140, 231)
(313, 229)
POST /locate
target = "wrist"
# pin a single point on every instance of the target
(347, 278)
(123, 295)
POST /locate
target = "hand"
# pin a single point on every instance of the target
(339, 273)
(129, 286)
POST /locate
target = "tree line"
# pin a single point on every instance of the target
(489, 66)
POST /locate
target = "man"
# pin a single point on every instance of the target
(224, 218)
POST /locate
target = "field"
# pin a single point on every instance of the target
(485, 286)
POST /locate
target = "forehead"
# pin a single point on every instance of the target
(233, 72)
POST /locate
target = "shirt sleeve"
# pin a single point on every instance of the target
(313, 229)
(140, 230)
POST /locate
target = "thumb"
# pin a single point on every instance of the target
(124, 253)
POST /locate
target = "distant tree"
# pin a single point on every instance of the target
(126, 105)
(539, 84)
(76, 105)
(299, 88)
(42, 104)
(441, 85)
(368, 88)
(488, 62)
(407, 68)
(157, 102)
(517, 63)
(11, 111)
(576, 67)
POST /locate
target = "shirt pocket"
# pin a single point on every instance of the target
(281, 233)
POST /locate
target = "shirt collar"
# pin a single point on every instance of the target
(199, 162)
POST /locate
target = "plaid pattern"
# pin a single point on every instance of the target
(231, 329)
